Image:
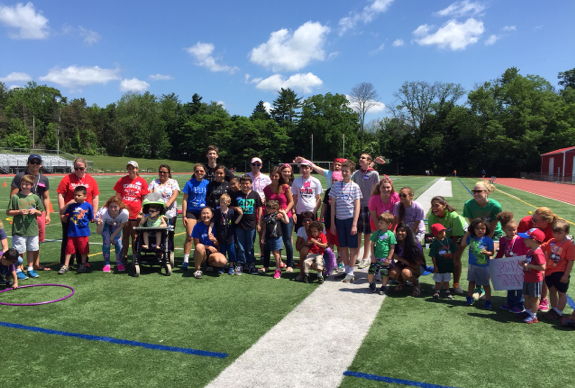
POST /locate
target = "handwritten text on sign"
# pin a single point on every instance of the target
(506, 274)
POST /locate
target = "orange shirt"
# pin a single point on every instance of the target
(563, 252)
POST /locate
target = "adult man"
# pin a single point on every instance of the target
(259, 180)
(212, 155)
(41, 188)
(306, 192)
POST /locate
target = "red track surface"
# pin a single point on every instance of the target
(559, 191)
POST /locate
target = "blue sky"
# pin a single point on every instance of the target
(240, 52)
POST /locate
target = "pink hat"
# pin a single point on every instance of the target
(306, 163)
(336, 176)
(256, 160)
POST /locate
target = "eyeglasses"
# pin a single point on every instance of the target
(403, 195)
(164, 172)
(477, 191)
(34, 162)
(79, 168)
(256, 164)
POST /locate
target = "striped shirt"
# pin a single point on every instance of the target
(345, 194)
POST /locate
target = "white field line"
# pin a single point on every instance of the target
(440, 187)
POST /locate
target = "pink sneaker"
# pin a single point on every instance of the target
(121, 268)
(278, 274)
(544, 305)
(106, 268)
(282, 265)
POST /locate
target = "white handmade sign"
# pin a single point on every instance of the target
(506, 274)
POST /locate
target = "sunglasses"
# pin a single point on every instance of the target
(363, 157)
(164, 172)
(79, 168)
(403, 195)
(153, 211)
(306, 220)
(477, 191)
(535, 220)
(256, 164)
(34, 162)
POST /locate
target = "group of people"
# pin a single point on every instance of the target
(225, 216)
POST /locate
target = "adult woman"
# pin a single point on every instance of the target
(541, 219)
(169, 189)
(410, 212)
(410, 259)
(217, 187)
(280, 191)
(195, 192)
(444, 214)
(382, 200)
(66, 194)
(481, 206)
(131, 189)
(41, 189)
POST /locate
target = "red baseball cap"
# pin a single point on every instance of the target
(436, 228)
(533, 233)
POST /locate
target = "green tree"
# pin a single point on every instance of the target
(260, 112)
(285, 109)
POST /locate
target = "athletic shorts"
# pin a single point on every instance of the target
(363, 225)
(25, 243)
(193, 215)
(442, 277)
(346, 239)
(78, 245)
(554, 280)
(533, 289)
(477, 274)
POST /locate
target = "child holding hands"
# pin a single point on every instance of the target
(382, 249)
(533, 267)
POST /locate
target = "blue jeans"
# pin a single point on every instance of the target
(230, 249)
(245, 246)
(515, 299)
(287, 230)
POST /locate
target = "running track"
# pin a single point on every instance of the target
(559, 191)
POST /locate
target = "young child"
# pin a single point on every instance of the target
(8, 267)
(481, 248)
(533, 267)
(25, 207)
(325, 215)
(248, 203)
(317, 243)
(511, 245)
(345, 208)
(110, 221)
(224, 220)
(560, 254)
(272, 233)
(79, 214)
(206, 244)
(442, 251)
(382, 248)
(154, 219)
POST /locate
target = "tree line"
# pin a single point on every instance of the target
(502, 125)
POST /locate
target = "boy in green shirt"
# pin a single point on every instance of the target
(441, 251)
(382, 248)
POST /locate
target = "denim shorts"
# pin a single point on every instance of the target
(275, 244)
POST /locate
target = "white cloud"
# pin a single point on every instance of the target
(508, 28)
(398, 42)
(75, 77)
(221, 103)
(133, 85)
(373, 52)
(456, 36)
(13, 87)
(202, 52)
(495, 37)
(462, 8)
(369, 13)
(377, 105)
(90, 37)
(160, 77)
(291, 52)
(29, 23)
(268, 106)
(491, 40)
(299, 82)
(16, 77)
(332, 55)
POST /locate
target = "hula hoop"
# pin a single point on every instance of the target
(37, 304)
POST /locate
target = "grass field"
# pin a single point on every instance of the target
(420, 339)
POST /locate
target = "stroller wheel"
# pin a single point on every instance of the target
(172, 259)
(168, 269)
(136, 270)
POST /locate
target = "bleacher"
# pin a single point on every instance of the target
(15, 163)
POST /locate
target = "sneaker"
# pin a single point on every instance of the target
(552, 315)
(436, 295)
(21, 276)
(106, 268)
(32, 274)
(372, 287)
(478, 293)
(468, 300)
(277, 273)
(87, 264)
(306, 278)
(299, 278)
(238, 271)
(198, 274)
(457, 288)
(487, 305)
(383, 290)
(81, 268)
(568, 322)
(253, 270)
(364, 264)
(282, 265)
(184, 266)
(340, 276)
(505, 307)
(340, 266)
(448, 295)
(220, 271)
(516, 310)
(348, 279)
(121, 268)
(544, 305)
(231, 270)
(63, 270)
(320, 278)
(530, 320)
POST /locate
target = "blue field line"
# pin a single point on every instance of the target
(392, 380)
(465, 187)
(570, 302)
(116, 341)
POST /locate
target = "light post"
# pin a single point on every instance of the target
(58, 99)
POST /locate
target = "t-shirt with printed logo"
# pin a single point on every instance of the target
(535, 257)
(249, 203)
(71, 181)
(306, 191)
(558, 254)
(197, 192)
(133, 192)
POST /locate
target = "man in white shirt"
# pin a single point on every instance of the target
(306, 192)
(259, 180)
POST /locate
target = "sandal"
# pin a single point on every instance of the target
(416, 291)
(399, 287)
(42, 268)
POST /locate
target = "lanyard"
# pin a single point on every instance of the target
(509, 250)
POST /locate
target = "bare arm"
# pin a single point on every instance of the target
(95, 203)
(317, 205)
(290, 200)
(171, 200)
(13, 190)
(317, 169)
(355, 217)
(299, 243)
(46, 201)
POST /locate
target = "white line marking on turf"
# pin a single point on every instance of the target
(441, 187)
